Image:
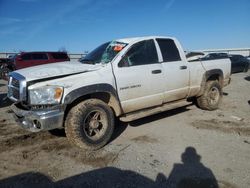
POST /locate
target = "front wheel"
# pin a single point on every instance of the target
(211, 97)
(90, 124)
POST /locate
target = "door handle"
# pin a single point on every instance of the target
(183, 67)
(156, 71)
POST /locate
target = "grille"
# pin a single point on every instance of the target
(14, 93)
(17, 87)
(15, 82)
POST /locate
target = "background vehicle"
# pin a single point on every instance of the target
(28, 59)
(127, 78)
(239, 63)
(212, 56)
(3, 60)
(192, 56)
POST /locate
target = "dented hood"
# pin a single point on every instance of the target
(56, 69)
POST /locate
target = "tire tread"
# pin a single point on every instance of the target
(72, 129)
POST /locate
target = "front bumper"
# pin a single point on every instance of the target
(38, 120)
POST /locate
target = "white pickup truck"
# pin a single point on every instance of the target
(127, 78)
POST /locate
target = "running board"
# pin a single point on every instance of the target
(150, 111)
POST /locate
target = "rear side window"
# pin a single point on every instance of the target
(39, 56)
(169, 50)
(59, 56)
(141, 53)
(26, 57)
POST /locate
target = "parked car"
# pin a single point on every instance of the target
(3, 60)
(193, 56)
(127, 78)
(239, 63)
(28, 59)
(212, 56)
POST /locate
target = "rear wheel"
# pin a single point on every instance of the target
(90, 124)
(211, 97)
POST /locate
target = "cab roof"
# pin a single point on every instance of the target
(137, 39)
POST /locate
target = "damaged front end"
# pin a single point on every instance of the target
(40, 115)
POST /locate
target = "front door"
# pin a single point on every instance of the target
(139, 77)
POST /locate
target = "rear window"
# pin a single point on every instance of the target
(59, 56)
(39, 56)
(169, 50)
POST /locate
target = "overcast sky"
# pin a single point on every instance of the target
(81, 25)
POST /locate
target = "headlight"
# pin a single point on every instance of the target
(46, 95)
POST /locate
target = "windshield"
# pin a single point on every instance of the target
(104, 53)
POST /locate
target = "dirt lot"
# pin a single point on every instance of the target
(186, 146)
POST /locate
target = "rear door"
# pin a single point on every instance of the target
(176, 71)
(139, 77)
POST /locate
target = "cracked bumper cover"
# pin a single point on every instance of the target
(38, 120)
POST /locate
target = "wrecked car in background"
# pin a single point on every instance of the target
(29, 59)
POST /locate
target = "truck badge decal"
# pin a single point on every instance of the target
(130, 87)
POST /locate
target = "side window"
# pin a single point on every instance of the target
(26, 57)
(141, 53)
(169, 50)
(59, 56)
(39, 56)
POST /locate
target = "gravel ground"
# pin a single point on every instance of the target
(185, 147)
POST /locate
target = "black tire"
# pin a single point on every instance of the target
(57, 132)
(211, 97)
(90, 124)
